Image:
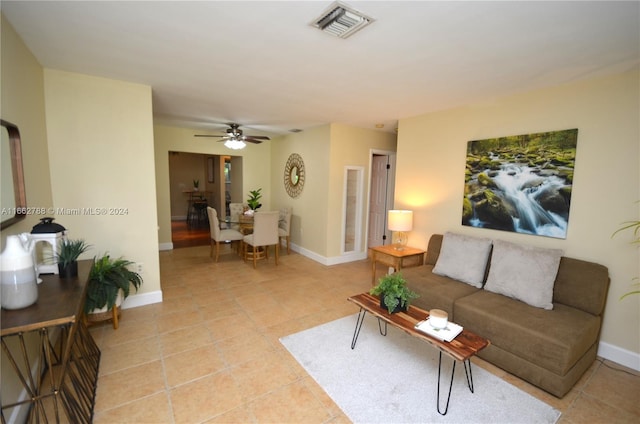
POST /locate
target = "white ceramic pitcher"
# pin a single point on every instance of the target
(18, 280)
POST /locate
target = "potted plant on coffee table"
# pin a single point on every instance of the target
(110, 282)
(67, 257)
(394, 293)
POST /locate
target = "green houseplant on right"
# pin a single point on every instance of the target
(108, 277)
(394, 293)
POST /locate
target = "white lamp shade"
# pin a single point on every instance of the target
(400, 220)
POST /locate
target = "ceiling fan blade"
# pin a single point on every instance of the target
(235, 133)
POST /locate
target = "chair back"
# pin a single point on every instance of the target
(235, 210)
(284, 223)
(214, 224)
(265, 228)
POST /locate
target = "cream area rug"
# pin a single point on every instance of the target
(393, 379)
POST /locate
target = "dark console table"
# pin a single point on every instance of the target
(52, 355)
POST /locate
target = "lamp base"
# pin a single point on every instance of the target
(401, 239)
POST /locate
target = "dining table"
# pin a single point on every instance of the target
(243, 222)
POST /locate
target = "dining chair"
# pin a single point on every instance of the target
(218, 235)
(235, 210)
(265, 234)
(284, 226)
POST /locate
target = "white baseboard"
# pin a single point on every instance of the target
(336, 260)
(309, 254)
(143, 299)
(347, 257)
(165, 246)
(619, 355)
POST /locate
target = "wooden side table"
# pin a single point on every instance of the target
(388, 255)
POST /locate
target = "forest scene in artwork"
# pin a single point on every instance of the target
(520, 183)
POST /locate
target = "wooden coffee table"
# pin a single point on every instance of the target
(462, 348)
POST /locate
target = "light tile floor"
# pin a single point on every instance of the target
(209, 353)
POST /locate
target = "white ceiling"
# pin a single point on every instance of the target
(262, 65)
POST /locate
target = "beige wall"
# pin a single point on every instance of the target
(101, 157)
(256, 169)
(430, 179)
(309, 209)
(316, 227)
(22, 93)
(351, 147)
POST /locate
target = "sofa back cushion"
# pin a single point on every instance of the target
(463, 258)
(579, 284)
(523, 272)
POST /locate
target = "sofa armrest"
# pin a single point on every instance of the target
(433, 249)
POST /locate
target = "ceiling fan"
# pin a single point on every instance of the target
(235, 139)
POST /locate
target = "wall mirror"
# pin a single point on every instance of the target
(294, 175)
(352, 221)
(13, 199)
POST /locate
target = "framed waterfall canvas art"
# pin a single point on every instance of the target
(520, 183)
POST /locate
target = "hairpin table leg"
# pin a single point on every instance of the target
(469, 375)
(382, 332)
(359, 322)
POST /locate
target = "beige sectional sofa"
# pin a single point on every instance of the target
(549, 342)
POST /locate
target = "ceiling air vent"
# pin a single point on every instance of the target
(341, 20)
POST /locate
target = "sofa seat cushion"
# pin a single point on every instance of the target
(435, 290)
(552, 339)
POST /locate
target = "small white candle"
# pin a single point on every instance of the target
(438, 318)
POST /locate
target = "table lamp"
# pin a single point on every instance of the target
(400, 221)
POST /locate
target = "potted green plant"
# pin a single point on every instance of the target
(109, 280)
(67, 256)
(254, 199)
(394, 293)
(196, 184)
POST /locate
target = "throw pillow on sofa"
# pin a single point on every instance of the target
(525, 273)
(463, 258)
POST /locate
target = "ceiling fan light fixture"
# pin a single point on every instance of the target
(235, 144)
(341, 20)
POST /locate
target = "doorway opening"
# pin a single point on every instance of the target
(196, 181)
